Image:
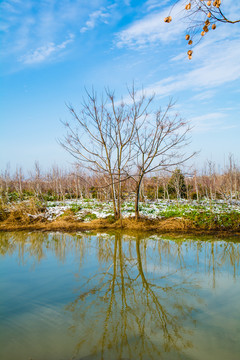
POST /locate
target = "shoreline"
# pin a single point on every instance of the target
(163, 226)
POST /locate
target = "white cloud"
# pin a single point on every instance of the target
(208, 122)
(212, 122)
(6, 6)
(43, 53)
(96, 16)
(34, 29)
(213, 67)
(153, 29)
(206, 95)
(154, 4)
(4, 27)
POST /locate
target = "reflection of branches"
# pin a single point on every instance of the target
(230, 253)
(34, 247)
(130, 306)
(166, 321)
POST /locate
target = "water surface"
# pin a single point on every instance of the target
(115, 296)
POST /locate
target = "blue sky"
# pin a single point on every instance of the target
(51, 50)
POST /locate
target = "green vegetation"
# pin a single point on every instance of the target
(204, 218)
(177, 186)
(75, 208)
(89, 217)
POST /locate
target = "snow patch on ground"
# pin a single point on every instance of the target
(86, 210)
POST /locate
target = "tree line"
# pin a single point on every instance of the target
(59, 185)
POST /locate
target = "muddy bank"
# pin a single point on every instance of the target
(170, 225)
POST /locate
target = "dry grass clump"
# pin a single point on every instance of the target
(170, 224)
(3, 211)
(67, 216)
(22, 213)
(142, 224)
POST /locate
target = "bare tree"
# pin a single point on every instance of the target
(126, 140)
(18, 183)
(102, 137)
(36, 180)
(165, 180)
(159, 140)
(228, 184)
(6, 182)
(196, 184)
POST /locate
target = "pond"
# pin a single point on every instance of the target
(116, 296)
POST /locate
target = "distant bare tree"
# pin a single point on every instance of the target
(18, 183)
(164, 181)
(36, 180)
(6, 182)
(229, 181)
(196, 185)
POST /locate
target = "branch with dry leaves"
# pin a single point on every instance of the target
(202, 16)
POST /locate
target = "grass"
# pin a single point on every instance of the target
(66, 223)
(75, 208)
(89, 217)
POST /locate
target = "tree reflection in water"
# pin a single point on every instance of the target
(141, 301)
(130, 315)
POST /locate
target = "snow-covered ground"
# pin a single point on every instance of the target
(89, 209)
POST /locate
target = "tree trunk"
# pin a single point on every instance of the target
(119, 196)
(114, 199)
(137, 196)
